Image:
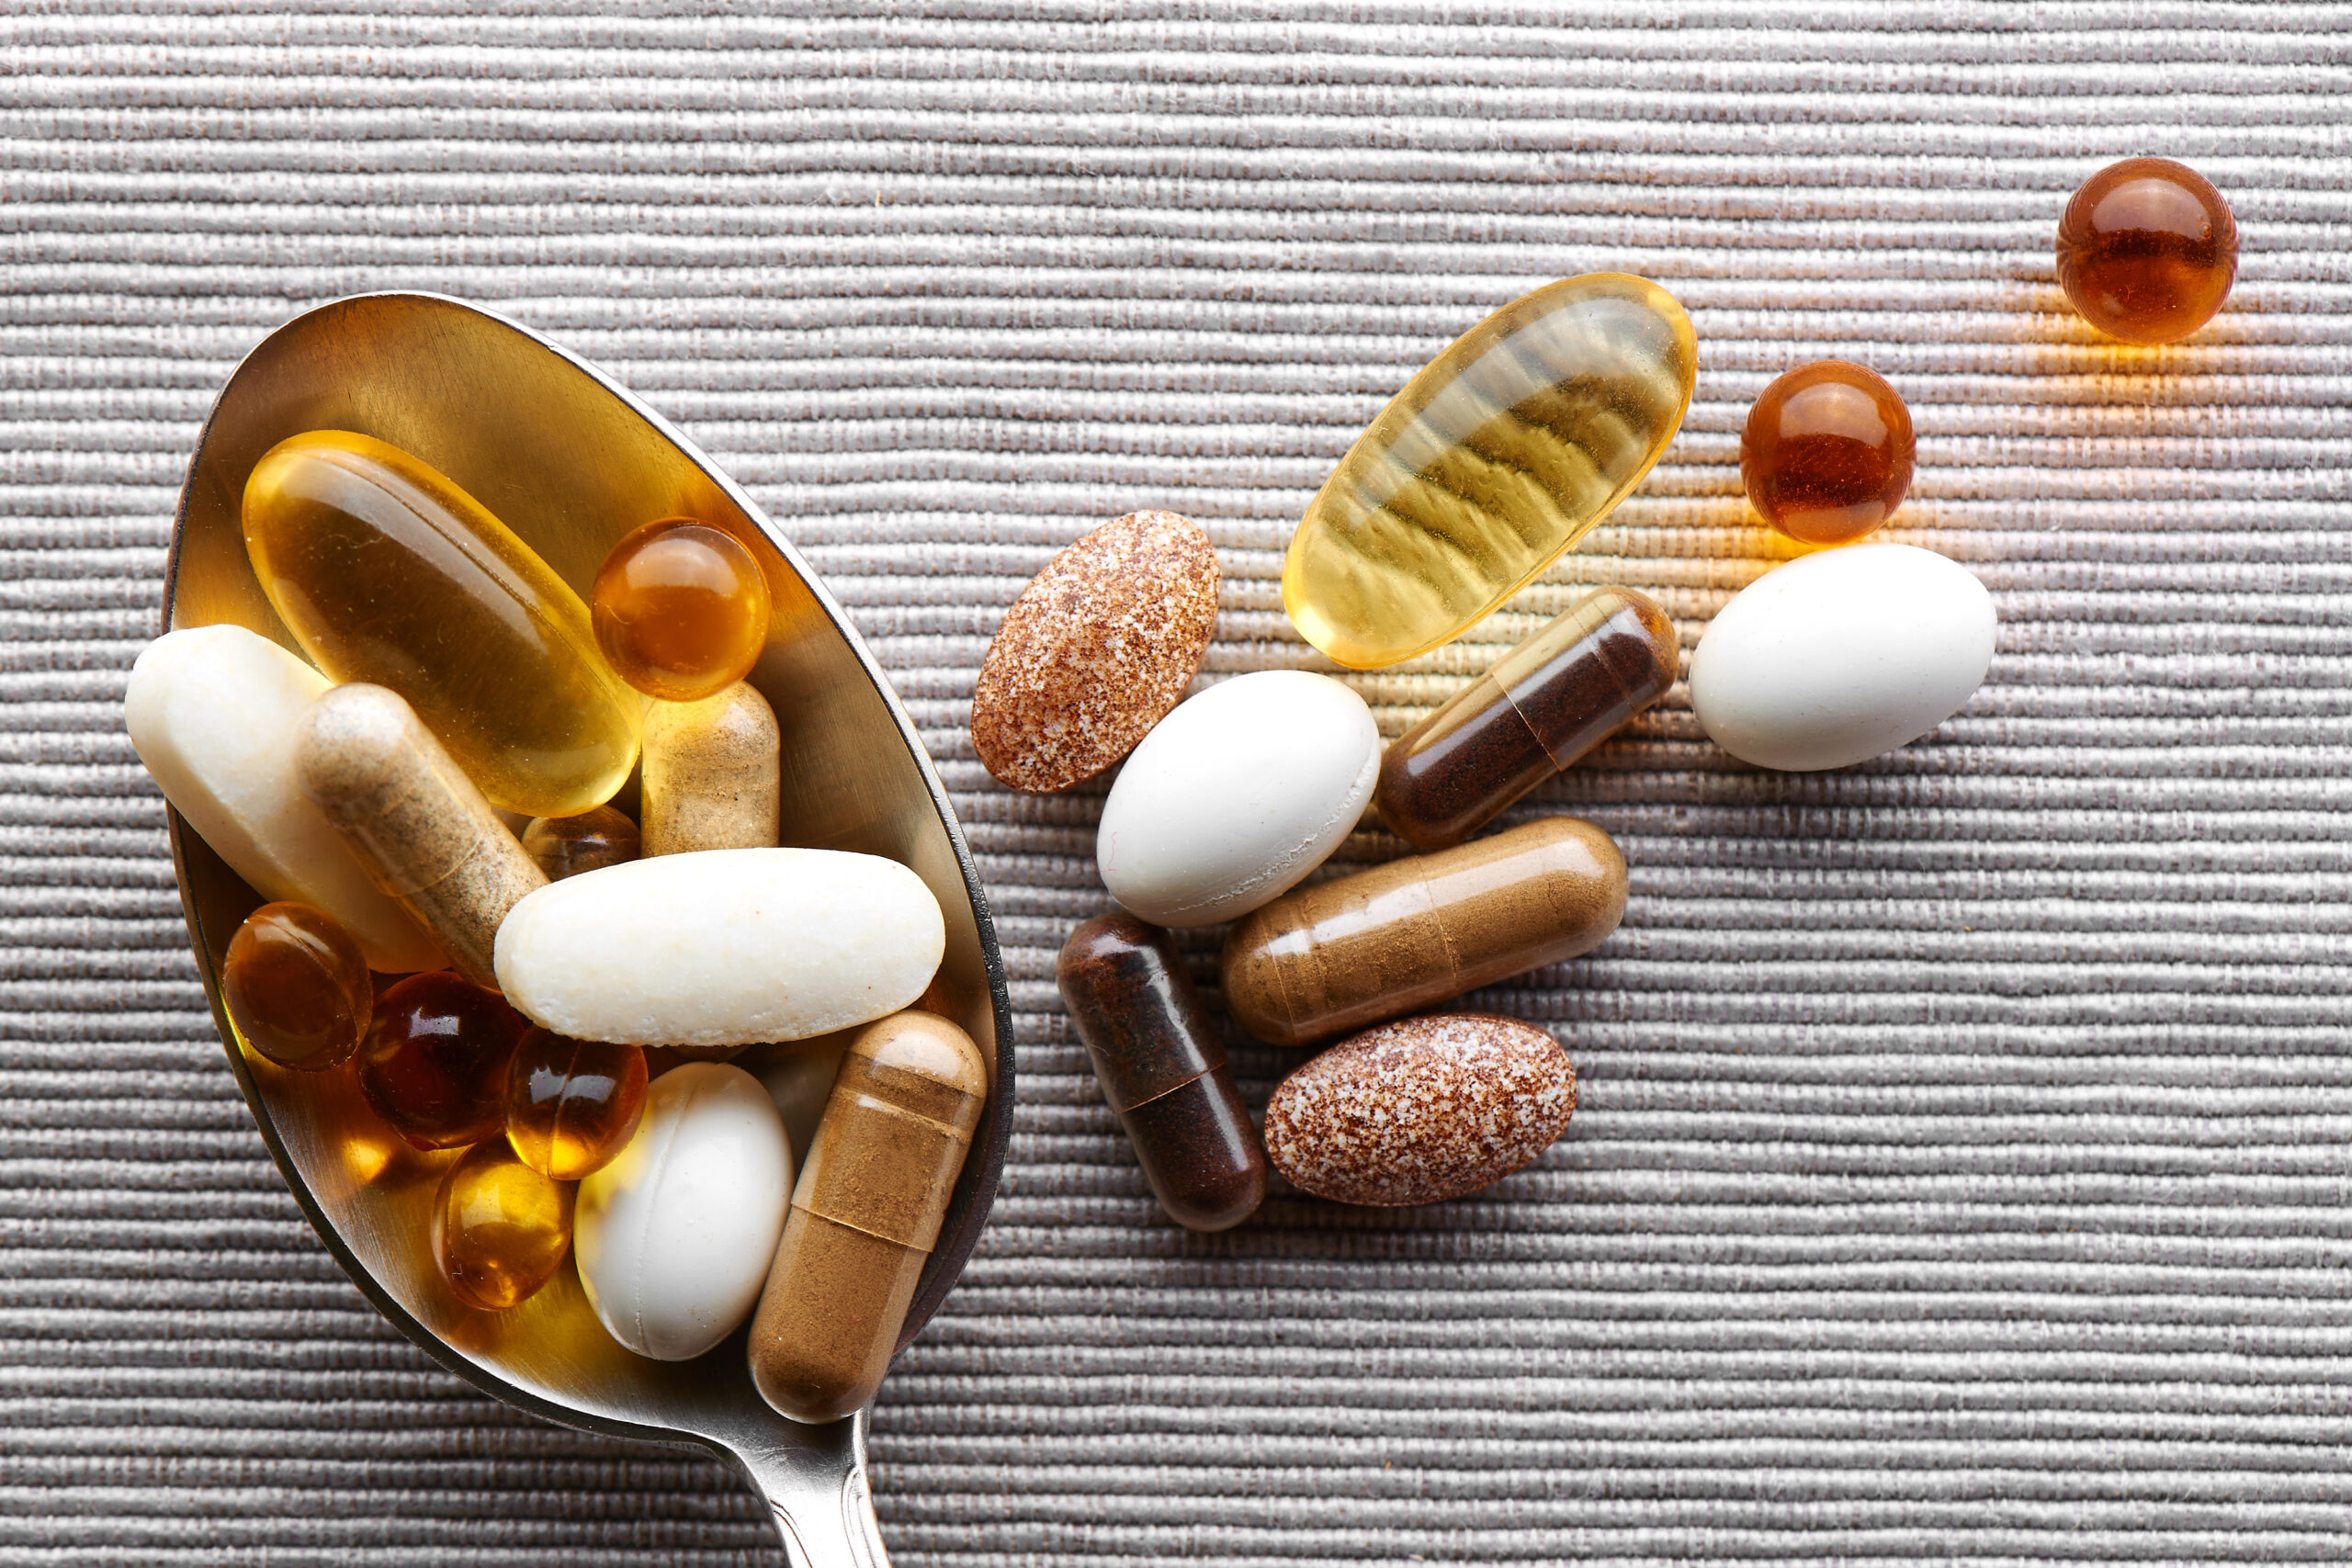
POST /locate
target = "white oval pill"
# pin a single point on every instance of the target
(213, 712)
(675, 1234)
(1837, 657)
(721, 947)
(1236, 795)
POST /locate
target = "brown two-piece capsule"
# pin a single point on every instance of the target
(1540, 708)
(711, 779)
(1157, 1057)
(865, 1212)
(418, 824)
(1341, 954)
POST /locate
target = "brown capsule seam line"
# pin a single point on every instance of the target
(1528, 725)
(1118, 1110)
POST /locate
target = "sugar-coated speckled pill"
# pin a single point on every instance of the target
(1421, 1110)
(1099, 647)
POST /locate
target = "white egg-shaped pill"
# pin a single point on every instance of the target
(675, 1234)
(1837, 656)
(721, 947)
(213, 712)
(1236, 795)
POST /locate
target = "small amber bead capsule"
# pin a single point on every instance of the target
(1341, 954)
(1828, 452)
(499, 1229)
(566, 846)
(297, 987)
(2147, 250)
(865, 1212)
(681, 610)
(572, 1104)
(1161, 1067)
(435, 1065)
(1544, 705)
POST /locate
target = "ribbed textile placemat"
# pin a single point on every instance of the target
(1962, 1174)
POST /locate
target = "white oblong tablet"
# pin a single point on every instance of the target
(1236, 795)
(674, 1237)
(213, 712)
(721, 947)
(1837, 656)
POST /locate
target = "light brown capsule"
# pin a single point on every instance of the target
(1341, 954)
(418, 824)
(865, 1212)
(711, 781)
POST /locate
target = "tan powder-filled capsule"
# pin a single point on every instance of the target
(710, 773)
(1351, 952)
(865, 1212)
(418, 824)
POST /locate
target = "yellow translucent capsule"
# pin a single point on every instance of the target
(387, 572)
(1503, 452)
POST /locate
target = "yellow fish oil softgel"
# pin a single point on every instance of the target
(1503, 452)
(387, 572)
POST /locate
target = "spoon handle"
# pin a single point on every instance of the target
(814, 1485)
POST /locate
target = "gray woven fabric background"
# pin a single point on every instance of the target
(1962, 1174)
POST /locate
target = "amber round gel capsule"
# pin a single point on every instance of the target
(387, 572)
(297, 987)
(1341, 954)
(681, 610)
(435, 1065)
(566, 846)
(572, 1104)
(2147, 250)
(1826, 452)
(499, 1229)
(1157, 1056)
(865, 1212)
(1544, 705)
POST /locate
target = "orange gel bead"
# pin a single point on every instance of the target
(1826, 453)
(499, 1229)
(681, 610)
(566, 846)
(2147, 250)
(572, 1104)
(435, 1066)
(297, 987)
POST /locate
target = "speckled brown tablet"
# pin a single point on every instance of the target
(1095, 651)
(1421, 1110)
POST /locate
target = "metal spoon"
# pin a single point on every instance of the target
(571, 461)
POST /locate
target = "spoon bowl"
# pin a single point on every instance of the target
(571, 461)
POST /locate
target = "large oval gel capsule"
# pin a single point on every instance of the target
(387, 572)
(1503, 452)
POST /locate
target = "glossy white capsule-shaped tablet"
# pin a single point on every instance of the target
(675, 1234)
(721, 947)
(214, 712)
(1841, 655)
(1236, 795)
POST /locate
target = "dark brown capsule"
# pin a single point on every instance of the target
(1536, 713)
(1161, 1067)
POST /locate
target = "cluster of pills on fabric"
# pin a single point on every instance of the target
(1501, 453)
